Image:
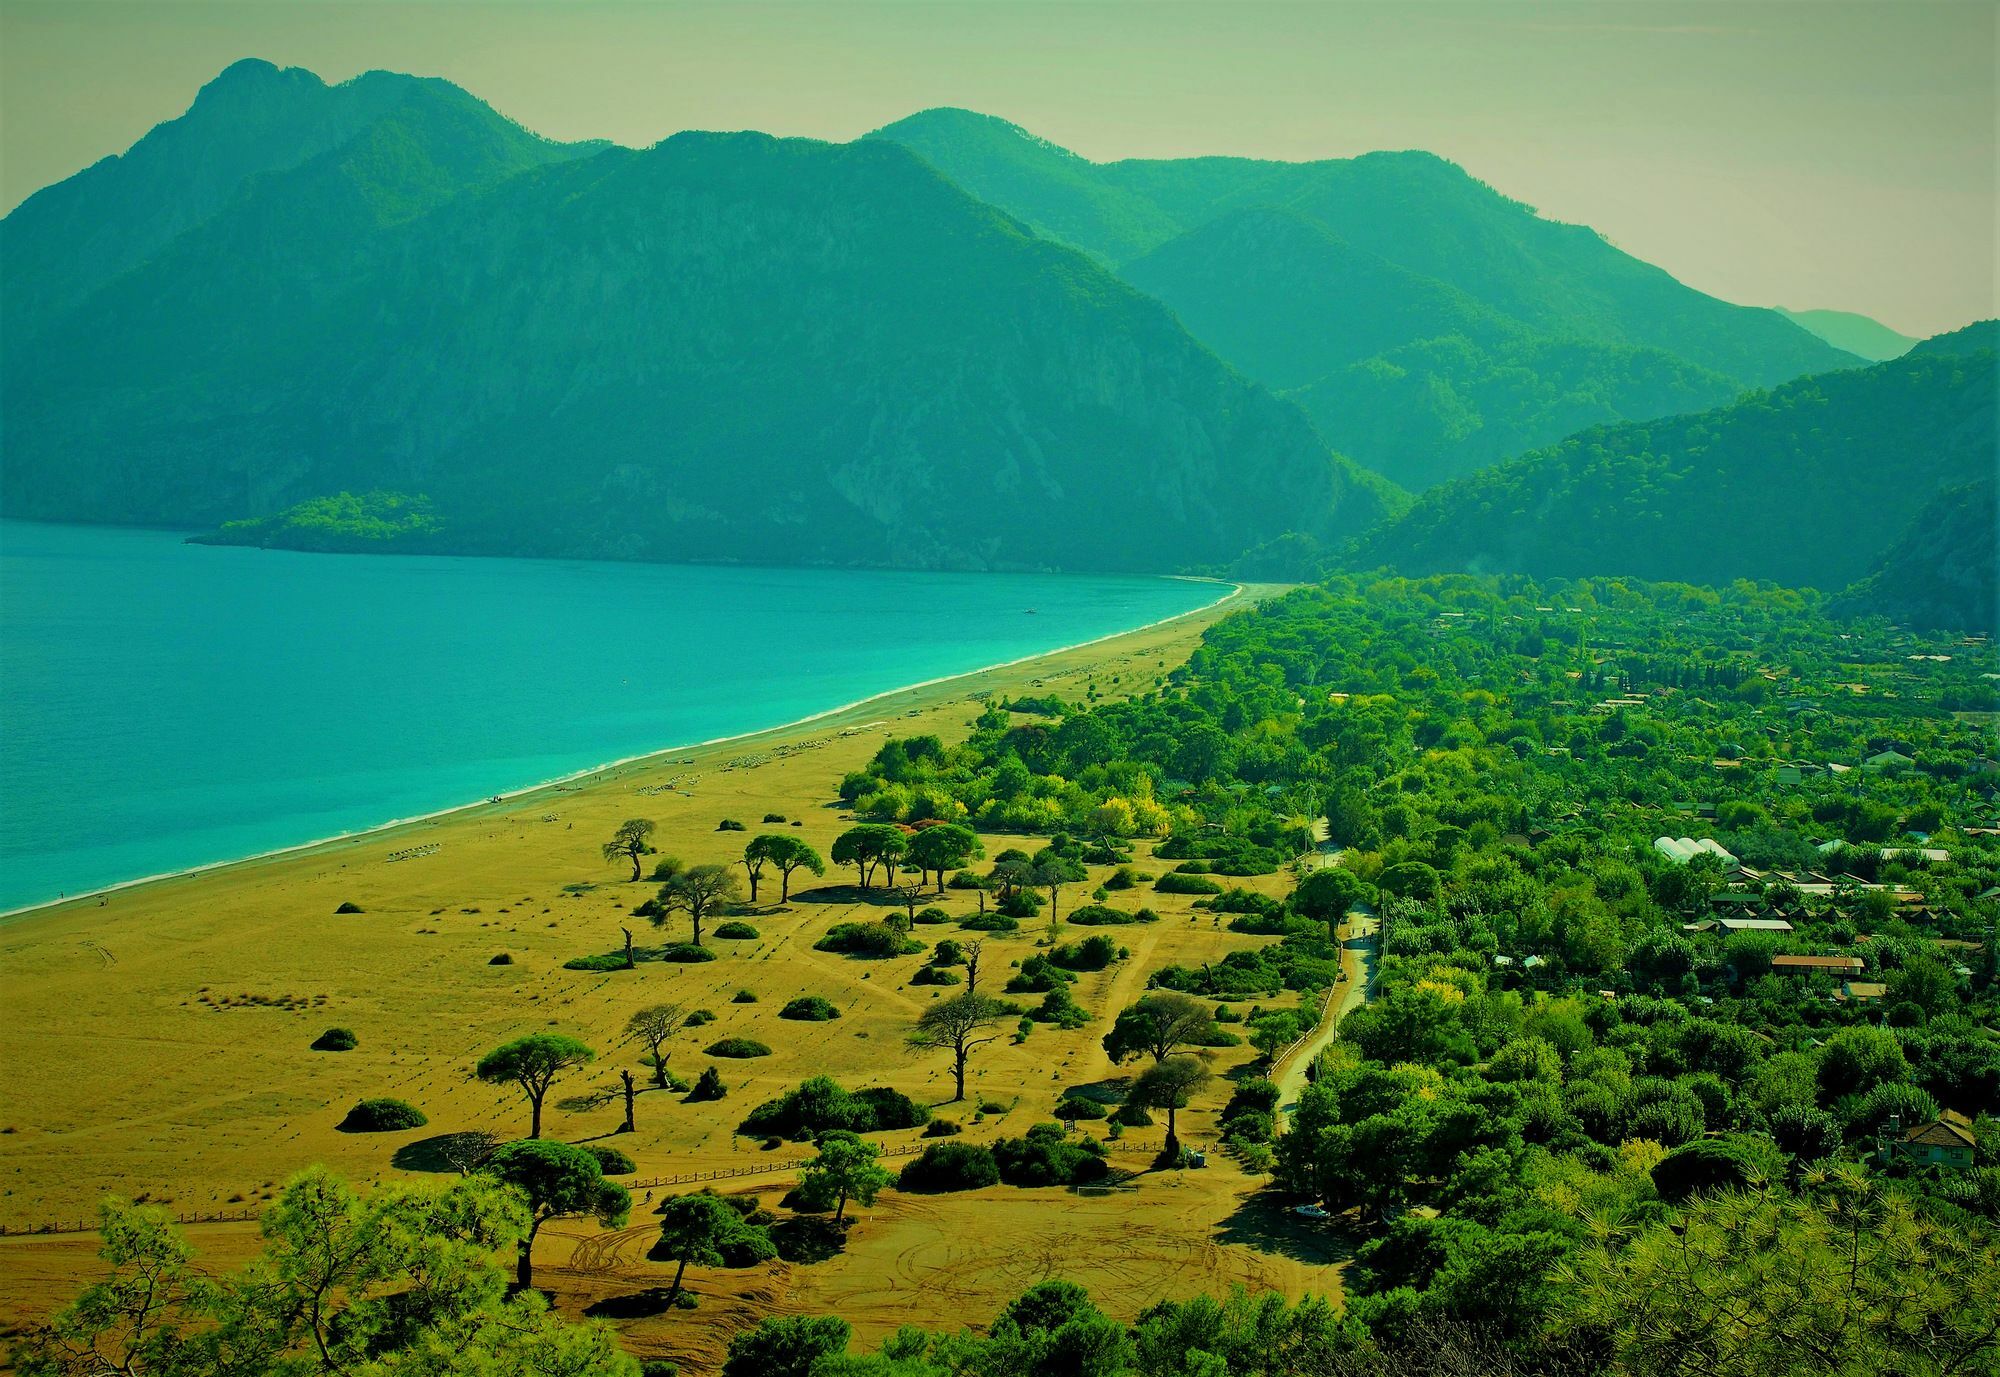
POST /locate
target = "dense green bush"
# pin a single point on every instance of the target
(686, 952)
(707, 1086)
(1046, 1156)
(950, 1167)
(989, 922)
(610, 1160)
(738, 1048)
(820, 1103)
(1093, 953)
(943, 1128)
(935, 975)
(382, 1116)
(1174, 883)
(867, 941)
(735, 931)
(335, 1040)
(809, 1009)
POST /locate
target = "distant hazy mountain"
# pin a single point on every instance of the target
(1805, 485)
(1857, 334)
(1301, 274)
(1943, 572)
(69, 239)
(723, 347)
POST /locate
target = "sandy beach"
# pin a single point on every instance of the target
(156, 1039)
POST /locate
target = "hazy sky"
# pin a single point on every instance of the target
(1796, 153)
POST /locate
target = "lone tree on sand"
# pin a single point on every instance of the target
(844, 1170)
(1169, 1084)
(696, 1228)
(698, 891)
(958, 1025)
(1052, 872)
(633, 839)
(651, 1027)
(1161, 1024)
(557, 1179)
(784, 852)
(533, 1063)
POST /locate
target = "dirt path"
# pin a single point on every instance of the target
(1358, 954)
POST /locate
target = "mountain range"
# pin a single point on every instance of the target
(380, 315)
(720, 347)
(1392, 296)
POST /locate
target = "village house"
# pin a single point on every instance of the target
(1945, 1141)
(1832, 964)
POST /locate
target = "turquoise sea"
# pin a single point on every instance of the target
(165, 705)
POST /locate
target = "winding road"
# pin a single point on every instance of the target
(1358, 952)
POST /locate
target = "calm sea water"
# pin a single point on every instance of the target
(165, 705)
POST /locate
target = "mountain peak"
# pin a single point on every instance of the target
(950, 121)
(255, 75)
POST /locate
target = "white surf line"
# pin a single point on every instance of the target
(591, 772)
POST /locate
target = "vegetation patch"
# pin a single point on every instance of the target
(810, 1009)
(382, 1116)
(867, 941)
(738, 1048)
(335, 1040)
(944, 1167)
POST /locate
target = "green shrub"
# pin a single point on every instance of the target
(335, 1040)
(950, 1167)
(1093, 953)
(1076, 1107)
(1047, 1156)
(809, 1009)
(707, 1086)
(610, 1160)
(503, 959)
(932, 916)
(1037, 975)
(1098, 916)
(820, 1103)
(736, 932)
(1174, 883)
(988, 922)
(730, 825)
(935, 975)
(382, 1116)
(774, 817)
(866, 941)
(607, 961)
(686, 952)
(744, 997)
(1022, 903)
(699, 1017)
(350, 908)
(738, 1048)
(1707, 1165)
(943, 1128)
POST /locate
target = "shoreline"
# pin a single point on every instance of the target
(607, 769)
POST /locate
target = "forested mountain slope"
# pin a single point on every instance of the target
(1388, 289)
(1804, 485)
(723, 347)
(1943, 572)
